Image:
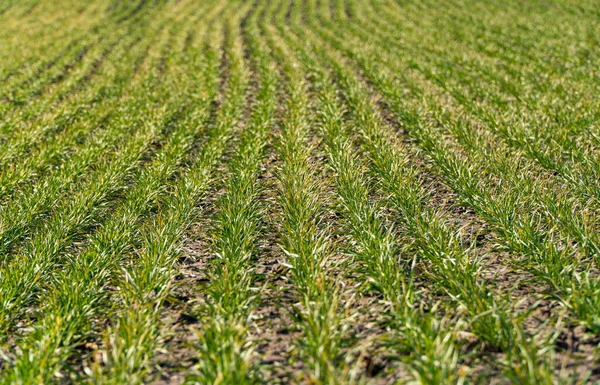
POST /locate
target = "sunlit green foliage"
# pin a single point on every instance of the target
(417, 181)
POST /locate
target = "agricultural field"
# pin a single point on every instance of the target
(299, 192)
